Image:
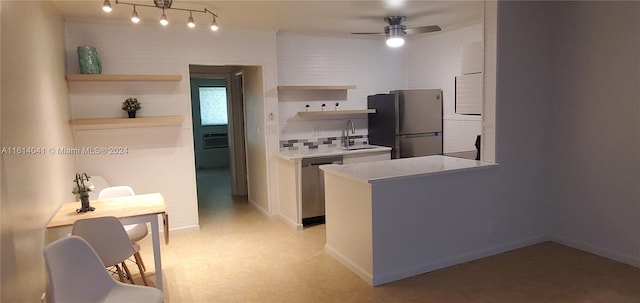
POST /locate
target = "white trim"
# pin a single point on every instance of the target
(596, 250)
(461, 258)
(290, 222)
(362, 273)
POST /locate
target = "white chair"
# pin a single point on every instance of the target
(136, 232)
(107, 237)
(76, 274)
(98, 183)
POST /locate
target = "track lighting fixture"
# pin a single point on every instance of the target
(134, 16)
(164, 5)
(214, 24)
(191, 23)
(163, 19)
(106, 6)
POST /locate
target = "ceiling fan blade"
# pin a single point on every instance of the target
(423, 29)
(367, 33)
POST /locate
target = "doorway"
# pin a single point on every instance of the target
(217, 102)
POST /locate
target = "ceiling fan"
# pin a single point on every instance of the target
(396, 31)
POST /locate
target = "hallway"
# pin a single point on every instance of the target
(239, 255)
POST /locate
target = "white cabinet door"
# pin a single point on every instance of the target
(366, 157)
(469, 94)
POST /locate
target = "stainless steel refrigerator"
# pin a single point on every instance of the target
(408, 121)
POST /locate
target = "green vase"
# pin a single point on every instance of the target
(89, 61)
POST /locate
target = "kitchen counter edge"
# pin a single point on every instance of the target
(299, 155)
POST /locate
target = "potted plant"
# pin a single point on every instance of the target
(131, 105)
(81, 189)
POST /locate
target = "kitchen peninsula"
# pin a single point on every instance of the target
(386, 220)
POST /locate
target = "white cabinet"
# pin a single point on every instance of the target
(366, 157)
(471, 57)
(290, 179)
(469, 94)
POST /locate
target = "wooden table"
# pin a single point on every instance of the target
(130, 210)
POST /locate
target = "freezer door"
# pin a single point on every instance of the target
(419, 145)
(419, 111)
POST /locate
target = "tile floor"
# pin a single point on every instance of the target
(238, 255)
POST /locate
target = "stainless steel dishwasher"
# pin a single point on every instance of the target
(313, 188)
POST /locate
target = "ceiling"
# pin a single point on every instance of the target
(300, 16)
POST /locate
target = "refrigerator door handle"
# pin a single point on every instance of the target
(421, 135)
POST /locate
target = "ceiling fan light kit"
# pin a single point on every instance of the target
(396, 31)
(163, 5)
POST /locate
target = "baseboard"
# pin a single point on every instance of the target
(261, 210)
(454, 260)
(363, 274)
(197, 226)
(596, 250)
(290, 222)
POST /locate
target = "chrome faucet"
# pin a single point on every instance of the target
(347, 140)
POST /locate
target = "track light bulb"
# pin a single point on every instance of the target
(106, 6)
(163, 19)
(214, 25)
(134, 16)
(191, 23)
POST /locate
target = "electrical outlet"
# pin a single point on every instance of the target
(316, 131)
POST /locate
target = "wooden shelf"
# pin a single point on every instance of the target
(109, 123)
(337, 112)
(122, 77)
(316, 87)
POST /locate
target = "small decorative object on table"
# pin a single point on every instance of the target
(323, 106)
(88, 60)
(81, 190)
(131, 105)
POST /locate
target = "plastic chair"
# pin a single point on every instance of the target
(136, 232)
(107, 237)
(98, 183)
(76, 274)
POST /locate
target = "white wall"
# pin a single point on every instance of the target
(594, 127)
(35, 113)
(426, 61)
(315, 60)
(433, 61)
(161, 159)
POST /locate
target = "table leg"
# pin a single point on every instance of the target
(155, 236)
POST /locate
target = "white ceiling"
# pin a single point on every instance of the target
(301, 16)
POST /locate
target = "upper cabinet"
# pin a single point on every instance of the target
(122, 77)
(471, 58)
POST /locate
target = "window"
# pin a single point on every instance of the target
(213, 106)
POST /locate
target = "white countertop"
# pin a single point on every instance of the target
(371, 172)
(297, 155)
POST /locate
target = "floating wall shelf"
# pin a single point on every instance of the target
(122, 77)
(316, 87)
(109, 123)
(337, 112)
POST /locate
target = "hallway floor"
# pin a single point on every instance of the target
(239, 255)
